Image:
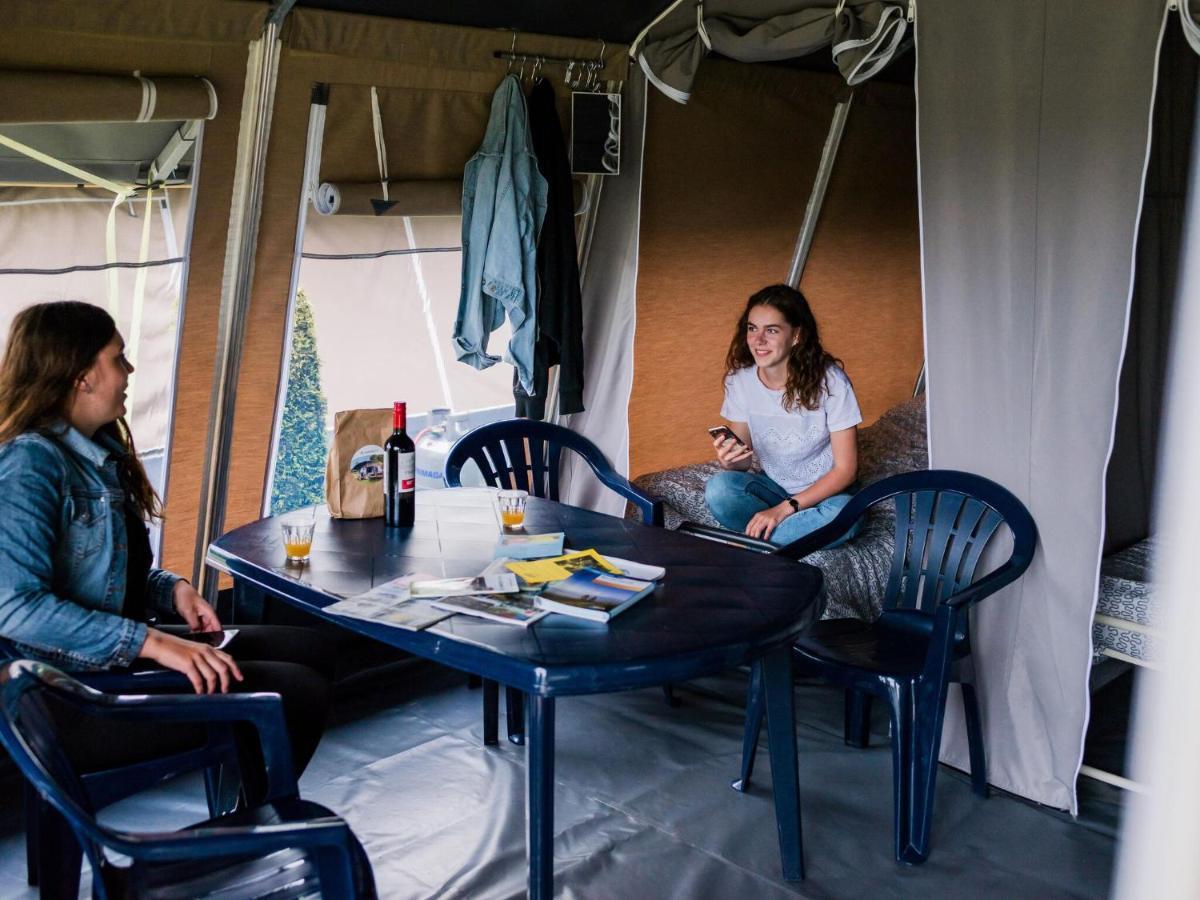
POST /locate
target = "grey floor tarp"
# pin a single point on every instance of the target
(643, 805)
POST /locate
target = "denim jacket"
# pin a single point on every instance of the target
(504, 203)
(63, 552)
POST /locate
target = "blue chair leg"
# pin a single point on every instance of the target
(514, 702)
(59, 856)
(917, 714)
(491, 713)
(779, 699)
(669, 694)
(754, 718)
(32, 806)
(858, 718)
(979, 782)
(539, 797)
(900, 708)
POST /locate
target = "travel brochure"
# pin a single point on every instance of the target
(593, 594)
(519, 591)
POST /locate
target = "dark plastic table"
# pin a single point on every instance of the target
(717, 607)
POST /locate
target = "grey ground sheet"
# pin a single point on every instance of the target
(643, 806)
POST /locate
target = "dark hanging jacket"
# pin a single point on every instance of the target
(559, 305)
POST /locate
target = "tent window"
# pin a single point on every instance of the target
(55, 246)
(376, 300)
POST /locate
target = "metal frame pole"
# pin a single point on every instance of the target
(258, 100)
(812, 212)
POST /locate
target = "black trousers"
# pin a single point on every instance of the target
(296, 663)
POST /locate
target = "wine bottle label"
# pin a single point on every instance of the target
(408, 472)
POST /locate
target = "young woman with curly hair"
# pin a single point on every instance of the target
(789, 401)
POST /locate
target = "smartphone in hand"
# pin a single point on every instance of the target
(724, 431)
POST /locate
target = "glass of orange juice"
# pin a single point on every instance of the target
(512, 509)
(297, 539)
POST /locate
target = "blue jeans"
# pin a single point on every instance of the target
(734, 498)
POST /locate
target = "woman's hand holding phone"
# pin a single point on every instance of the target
(731, 452)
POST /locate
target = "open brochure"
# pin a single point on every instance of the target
(488, 582)
(593, 594)
(512, 609)
(543, 570)
(391, 603)
(529, 546)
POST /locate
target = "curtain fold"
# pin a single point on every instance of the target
(609, 311)
(863, 34)
(1032, 140)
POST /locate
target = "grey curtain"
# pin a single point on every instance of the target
(863, 36)
(609, 310)
(1032, 137)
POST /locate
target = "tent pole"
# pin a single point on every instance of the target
(257, 102)
(812, 212)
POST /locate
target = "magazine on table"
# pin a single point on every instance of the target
(512, 609)
(593, 594)
(489, 582)
(529, 546)
(543, 570)
(391, 603)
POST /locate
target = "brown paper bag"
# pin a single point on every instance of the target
(354, 470)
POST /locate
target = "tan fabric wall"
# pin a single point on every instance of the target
(726, 181)
(185, 37)
(435, 85)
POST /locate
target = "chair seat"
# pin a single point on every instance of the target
(282, 875)
(864, 647)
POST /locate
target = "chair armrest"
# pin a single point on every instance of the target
(723, 536)
(148, 681)
(989, 584)
(235, 840)
(825, 535)
(651, 509)
(261, 710)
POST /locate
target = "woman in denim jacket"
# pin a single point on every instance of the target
(76, 578)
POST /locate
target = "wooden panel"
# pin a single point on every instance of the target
(726, 181)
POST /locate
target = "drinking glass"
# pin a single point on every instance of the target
(512, 509)
(297, 539)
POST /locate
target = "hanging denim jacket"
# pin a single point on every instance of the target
(504, 203)
(63, 553)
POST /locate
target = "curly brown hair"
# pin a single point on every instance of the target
(50, 347)
(807, 362)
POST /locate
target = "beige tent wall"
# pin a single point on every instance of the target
(726, 181)
(197, 37)
(435, 84)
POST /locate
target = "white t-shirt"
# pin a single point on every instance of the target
(793, 446)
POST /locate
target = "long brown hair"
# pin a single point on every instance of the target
(807, 360)
(50, 346)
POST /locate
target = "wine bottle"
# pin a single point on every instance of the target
(399, 473)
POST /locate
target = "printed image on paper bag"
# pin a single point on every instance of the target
(354, 470)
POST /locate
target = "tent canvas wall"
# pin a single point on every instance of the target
(1030, 174)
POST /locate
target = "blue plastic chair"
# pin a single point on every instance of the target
(284, 847)
(54, 863)
(526, 455)
(921, 642)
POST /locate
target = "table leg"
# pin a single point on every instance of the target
(539, 794)
(491, 712)
(781, 736)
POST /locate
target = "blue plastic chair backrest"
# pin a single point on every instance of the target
(28, 733)
(944, 521)
(526, 454)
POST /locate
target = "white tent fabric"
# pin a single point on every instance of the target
(1032, 144)
(864, 34)
(609, 308)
